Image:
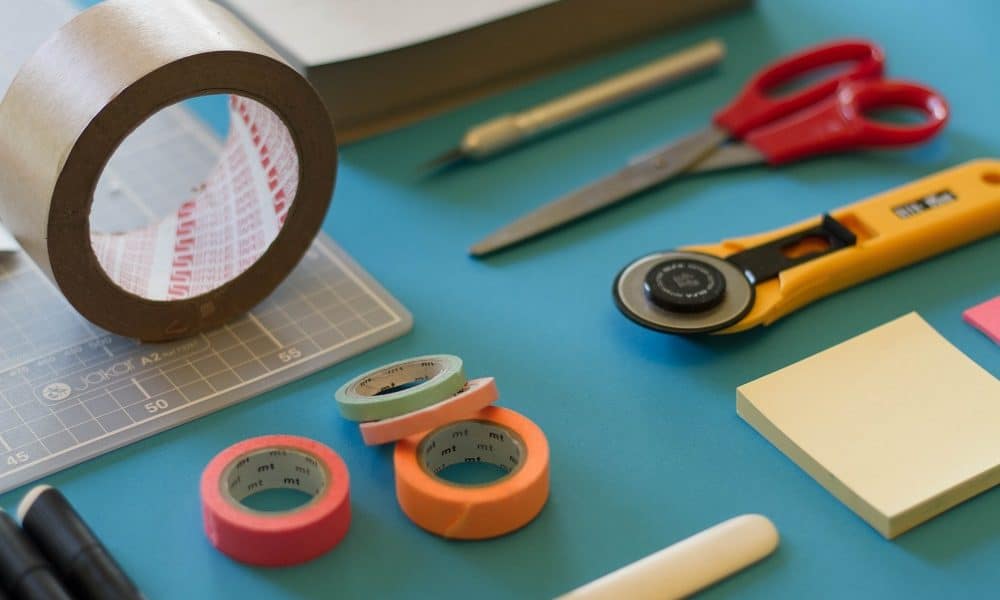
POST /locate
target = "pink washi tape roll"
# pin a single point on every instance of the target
(275, 538)
(477, 394)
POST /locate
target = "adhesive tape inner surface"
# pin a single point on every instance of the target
(399, 376)
(471, 442)
(226, 223)
(273, 468)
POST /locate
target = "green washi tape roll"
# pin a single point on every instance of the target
(401, 387)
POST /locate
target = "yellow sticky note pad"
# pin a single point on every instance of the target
(896, 423)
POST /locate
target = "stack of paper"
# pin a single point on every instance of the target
(383, 63)
(896, 423)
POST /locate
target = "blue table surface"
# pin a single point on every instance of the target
(646, 445)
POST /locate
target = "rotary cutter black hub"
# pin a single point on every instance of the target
(685, 285)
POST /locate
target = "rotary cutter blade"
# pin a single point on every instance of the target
(741, 283)
(683, 292)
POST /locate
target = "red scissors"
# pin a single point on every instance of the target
(824, 117)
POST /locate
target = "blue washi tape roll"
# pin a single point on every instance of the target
(401, 387)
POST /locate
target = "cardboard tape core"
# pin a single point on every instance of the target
(226, 224)
(400, 376)
(270, 469)
(471, 442)
(234, 239)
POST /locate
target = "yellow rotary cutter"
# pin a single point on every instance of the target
(741, 283)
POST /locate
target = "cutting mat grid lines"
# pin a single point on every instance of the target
(75, 395)
(70, 391)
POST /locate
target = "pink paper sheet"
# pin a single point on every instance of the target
(986, 318)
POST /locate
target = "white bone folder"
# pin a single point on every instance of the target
(688, 566)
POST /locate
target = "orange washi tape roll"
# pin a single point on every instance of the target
(276, 538)
(476, 395)
(494, 435)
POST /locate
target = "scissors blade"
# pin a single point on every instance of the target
(634, 178)
(729, 156)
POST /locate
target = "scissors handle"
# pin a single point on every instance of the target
(839, 123)
(754, 106)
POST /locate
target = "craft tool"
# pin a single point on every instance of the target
(401, 387)
(276, 538)
(78, 391)
(986, 318)
(823, 117)
(896, 423)
(688, 566)
(84, 565)
(494, 435)
(24, 572)
(501, 133)
(476, 395)
(741, 283)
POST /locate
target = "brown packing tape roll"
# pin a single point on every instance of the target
(86, 89)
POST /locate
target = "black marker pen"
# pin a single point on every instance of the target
(24, 572)
(81, 560)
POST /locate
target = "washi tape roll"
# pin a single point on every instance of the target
(275, 538)
(401, 387)
(477, 394)
(494, 435)
(235, 238)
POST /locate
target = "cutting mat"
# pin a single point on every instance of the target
(70, 391)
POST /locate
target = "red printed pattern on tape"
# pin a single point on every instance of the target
(225, 227)
(183, 264)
